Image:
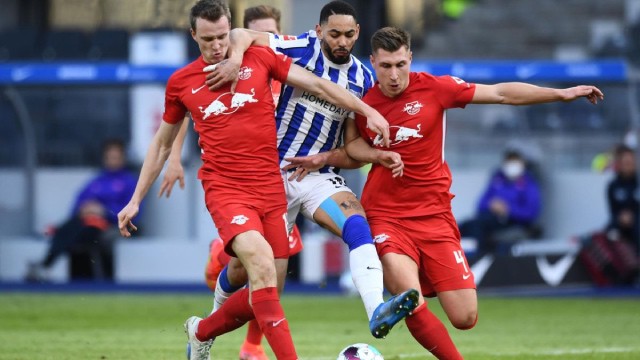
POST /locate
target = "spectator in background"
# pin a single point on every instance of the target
(88, 235)
(509, 207)
(622, 197)
(611, 256)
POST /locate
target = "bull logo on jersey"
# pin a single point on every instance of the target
(244, 73)
(215, 108)
(239, 99)
(380, 238)
(401, 134)
(239, 219)
(413, 107)
(222, 105)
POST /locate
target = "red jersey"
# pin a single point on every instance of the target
(417, 124)
(237, 132)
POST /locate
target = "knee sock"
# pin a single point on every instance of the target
(224, 289)
(430, 332)
(274, 325)
(254, 334)
(365, 266)
(235, 313)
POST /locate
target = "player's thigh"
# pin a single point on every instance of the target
(461, 307)
(400, 273)
(320, 196)
(256, 255)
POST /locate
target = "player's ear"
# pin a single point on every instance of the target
(319, 31)
(193, 34)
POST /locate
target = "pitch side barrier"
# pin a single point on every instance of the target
(490, 71)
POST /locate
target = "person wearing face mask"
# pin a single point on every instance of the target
(509, 207)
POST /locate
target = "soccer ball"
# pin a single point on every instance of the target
(360, 352)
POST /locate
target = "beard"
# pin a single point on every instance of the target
(342, 59)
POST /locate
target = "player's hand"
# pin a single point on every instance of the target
(378, 124)
(592, 93)
(174, 172)
(224, 72)
(303, 165)
(392, 161)
(124, 219)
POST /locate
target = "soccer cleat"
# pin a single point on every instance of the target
(250, 351)
(196, 349)
(389, 313)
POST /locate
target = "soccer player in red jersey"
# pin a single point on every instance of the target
(263, 18)
(240, 172)
(416, 235)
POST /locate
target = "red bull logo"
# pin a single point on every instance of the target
(401, 134)
(413, 107)
(218, 106)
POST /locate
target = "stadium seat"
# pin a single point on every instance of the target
(64, 45)
(18, 43)
(109, 44)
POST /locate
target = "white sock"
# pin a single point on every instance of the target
(366, 272)
(219, 296)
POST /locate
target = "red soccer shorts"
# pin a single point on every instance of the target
(238, 210)
(218, 259)
(433, 242)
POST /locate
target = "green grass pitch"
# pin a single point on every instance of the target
(149, 326)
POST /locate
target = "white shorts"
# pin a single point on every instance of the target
(306, 196)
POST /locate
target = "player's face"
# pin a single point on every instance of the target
(212, 38)
(264, 25)
(337, 36)
(392, 70)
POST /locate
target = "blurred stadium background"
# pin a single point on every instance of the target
(76, 72)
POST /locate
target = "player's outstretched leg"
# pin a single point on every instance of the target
(392, 311)
(196, 349)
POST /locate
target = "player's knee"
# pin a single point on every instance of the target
(466, 320)
(356, 232)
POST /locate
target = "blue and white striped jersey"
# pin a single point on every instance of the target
(306, 124)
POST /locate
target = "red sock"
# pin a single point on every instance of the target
(270, 317)
(431, 333)
(254, 334)
(234, 313)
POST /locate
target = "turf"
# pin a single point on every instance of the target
(149, 326)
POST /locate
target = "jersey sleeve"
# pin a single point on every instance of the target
(278, 64)
(293, 46)
(174, 109)
(454, 92)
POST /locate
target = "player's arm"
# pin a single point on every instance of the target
(227, 70)
(335, 157)
(157, 154)
(175, 171)
(301, 78)
(358, 149)
(518, 93)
